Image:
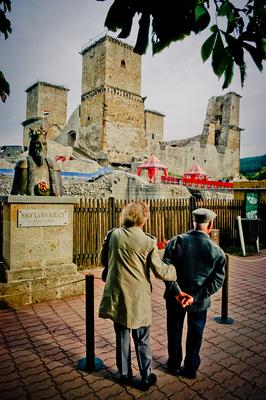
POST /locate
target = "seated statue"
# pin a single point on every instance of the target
(36, 175)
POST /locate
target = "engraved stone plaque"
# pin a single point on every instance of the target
(42, 217)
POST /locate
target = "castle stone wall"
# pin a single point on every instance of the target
(93, 67)
(124, 126)
(91, 122)
(45, 97)
(123, 66)
(113, 125)
(216, 165)
(154, 124)
(32, 107)
(70, 133)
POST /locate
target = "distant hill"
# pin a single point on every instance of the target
(252, 165)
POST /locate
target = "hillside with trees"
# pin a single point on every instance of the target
(254, 168)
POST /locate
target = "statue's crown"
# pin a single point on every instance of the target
(37, 133)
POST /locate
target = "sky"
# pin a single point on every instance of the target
(45, 44)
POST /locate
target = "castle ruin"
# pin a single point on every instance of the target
(111, 123)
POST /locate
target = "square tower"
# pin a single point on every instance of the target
(112, 109)
(46, 104)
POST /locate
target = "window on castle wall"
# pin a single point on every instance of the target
(152, 135)
(193, 158)
(71, 138)
(205, 160)
(88, 118)
(123, 64)
(217, 138)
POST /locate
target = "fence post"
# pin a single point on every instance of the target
(192, 207)
(90, 362)
(112, 217)
(224, 319)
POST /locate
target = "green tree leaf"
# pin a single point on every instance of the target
(4, 87)
(229, 72)
(255, 54)
(118, 16)
(226, 10)
(207, 47)
(219, 56)
(202, 18)
(5, 24)
(214, 28)
(143, 34)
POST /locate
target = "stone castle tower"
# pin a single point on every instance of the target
(112, 109)
(46, 104)
(112, 123)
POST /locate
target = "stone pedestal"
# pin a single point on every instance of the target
(37, 250)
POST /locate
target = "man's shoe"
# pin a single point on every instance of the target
(125, 379)
(172, 370)
(186, 373)
(148, 381)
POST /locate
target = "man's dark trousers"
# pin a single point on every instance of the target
(141, 338)
(196, 321)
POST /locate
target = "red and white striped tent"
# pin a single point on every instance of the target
(152, 165)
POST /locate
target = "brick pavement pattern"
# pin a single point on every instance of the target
(40, 345)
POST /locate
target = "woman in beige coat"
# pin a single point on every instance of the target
(128, 255)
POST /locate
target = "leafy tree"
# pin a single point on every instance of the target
(261, 175)
(5, 29)
(171, 20)
(252, 165)
(257, 176)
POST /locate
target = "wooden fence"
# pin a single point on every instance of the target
(93, 218)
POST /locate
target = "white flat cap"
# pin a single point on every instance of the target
(203, 215)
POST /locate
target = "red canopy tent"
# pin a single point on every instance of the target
(195, 172)
(153, 164)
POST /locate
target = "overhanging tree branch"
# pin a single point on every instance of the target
(5, 29)
(176, 20)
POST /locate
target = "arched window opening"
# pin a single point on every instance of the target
(71, 138)
(123, 64)
(217, 137)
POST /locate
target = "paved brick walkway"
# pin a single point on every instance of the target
(40, 345)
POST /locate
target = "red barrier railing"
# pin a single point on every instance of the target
(199, 183)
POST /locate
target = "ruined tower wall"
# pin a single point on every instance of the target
(215, 164)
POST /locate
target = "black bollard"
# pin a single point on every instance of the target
(224, 319)
(90, 362)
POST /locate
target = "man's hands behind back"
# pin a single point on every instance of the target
(184, 299)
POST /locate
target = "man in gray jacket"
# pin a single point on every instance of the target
(200, 269)
(129, 255)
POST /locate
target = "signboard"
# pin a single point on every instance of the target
(42, 217)
(252, 202)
